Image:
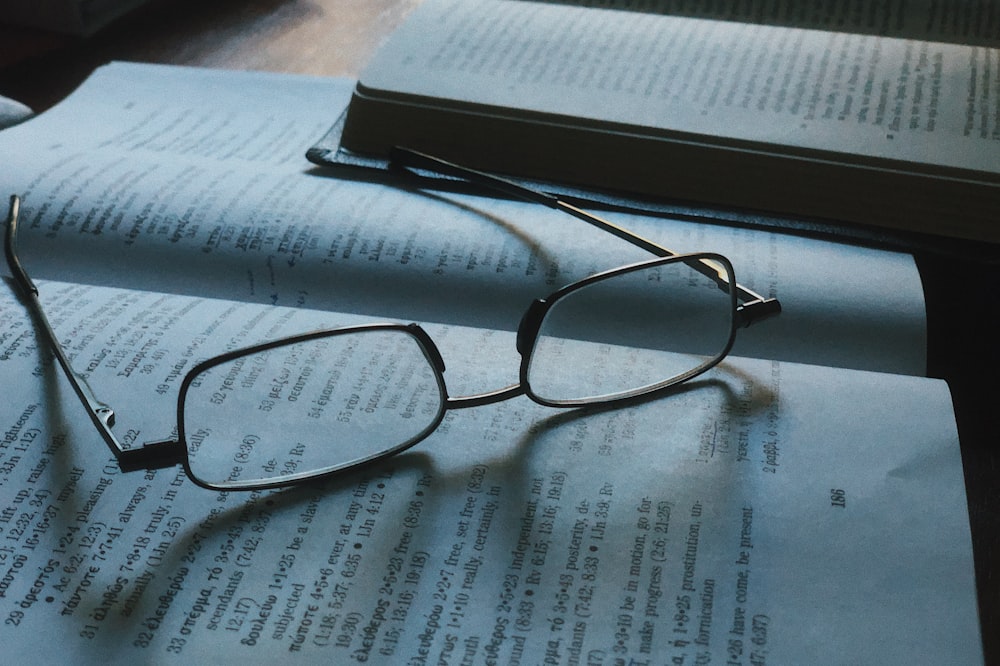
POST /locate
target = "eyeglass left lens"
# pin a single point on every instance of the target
(308, 408)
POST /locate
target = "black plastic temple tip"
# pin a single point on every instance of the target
(414, 161)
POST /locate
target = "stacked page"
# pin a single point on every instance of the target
(768, 511)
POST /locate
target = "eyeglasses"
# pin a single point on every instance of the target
(359, 394)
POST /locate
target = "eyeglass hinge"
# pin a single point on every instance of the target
(152, 455)
(755, 311)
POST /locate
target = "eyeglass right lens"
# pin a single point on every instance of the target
(310, 408)
(630, 333)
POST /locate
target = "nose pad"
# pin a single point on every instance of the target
(428, 344)
(531, 321)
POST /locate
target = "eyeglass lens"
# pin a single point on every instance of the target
(308, 408)
(629, 334)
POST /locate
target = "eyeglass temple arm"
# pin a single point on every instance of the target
(753, 307)
(100, 413)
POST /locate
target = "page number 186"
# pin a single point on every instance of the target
(838, 498)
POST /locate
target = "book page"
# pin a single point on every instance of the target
(739, 519)
(174, 196)
(931, 20)
(931, 105)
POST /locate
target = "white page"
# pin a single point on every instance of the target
(151, 201)
(738, 518)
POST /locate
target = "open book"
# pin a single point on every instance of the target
(881, 114)
(768, 512)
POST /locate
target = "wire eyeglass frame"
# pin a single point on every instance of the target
(748, 307)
